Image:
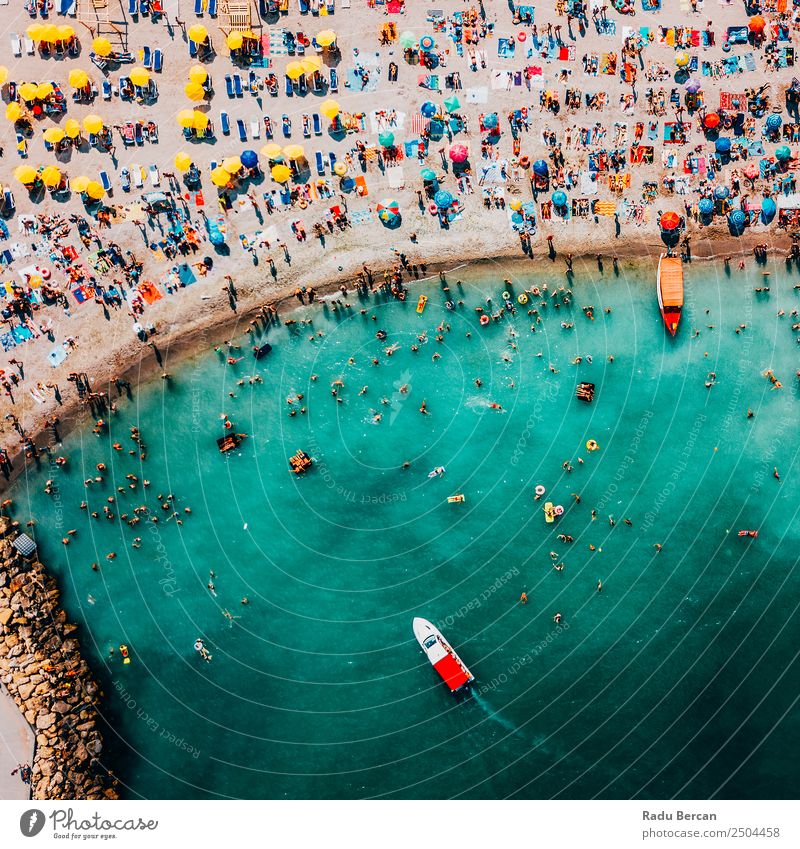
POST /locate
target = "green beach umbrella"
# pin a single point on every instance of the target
(427, 174)
(407, 40)
(386, 139)
(452, 103)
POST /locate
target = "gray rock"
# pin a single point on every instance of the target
(45, 721)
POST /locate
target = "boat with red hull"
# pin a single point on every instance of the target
(442, 656)
(669, 286)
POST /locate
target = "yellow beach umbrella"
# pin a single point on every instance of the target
(3, 74)
(310, 65)
(220, 177)
(44, 90)
(330, 109)
(78, 78)
(199, 120)
(13, 111)
(72, 128)
(281, 173)
(198, 33)
(53, 135)
(27, 91)
(101, 46)
(248, 33)
(294, 70)
(79, 184)
(95, 190)
(294, 151)
(49, 33)
(186, 118)
(139, 76)
(51, 176)
(93, 123)
(272, 151)
(682, 59)
(183, 162)
(65, 32)
(194, 91)
(26, 174)
(198, 74)
(34, 32)
(340, 169)
(326, 37)
(232, 164)
(234, 40)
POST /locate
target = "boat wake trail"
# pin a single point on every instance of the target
(495, 716)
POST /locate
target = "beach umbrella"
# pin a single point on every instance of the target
(340, 169)
(388, 211)
(751, 171)
(53, 135)
(183, 162)
(774, 123)
(44, 90)
(272, 151)
(65, 32)
(541, 168)
(722, 192)
(310, 65)
(51, 176)
(26, 174)
(559, 199)
(516, 204)
(49, 33)
(737, 219)
(326, 38)
(34, 32)
(711, 121)
(27, 91)
(458, 153)
(386, 139)
(72, 128)
(490, 121)
(407, 40)
(220, 177)
(706, 206)
(194, 91)
(768, 210)
(330, 109)
(693, 85)
(281, 173)
(186, 118)
(101, 46)
(13, 111)
(198, 74)
(139, 76)
(294, 70)
(452, 103)
(294, 152)
(199, 120)
(682, 59)
(783, 153)
(428, 109)
(79, 184)
(78, 78)
(428, 174)
(723, 145)
(232, 164)
(427, 43)
(198, 34)
(249, 159)
(757, 24)
(234, 40)
(95, 190)
(3, 74)
(670, 221)
(93, 123)
(443, 199)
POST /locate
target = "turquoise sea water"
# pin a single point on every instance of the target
(679, 679)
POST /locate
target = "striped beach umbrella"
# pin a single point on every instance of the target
(427, 43)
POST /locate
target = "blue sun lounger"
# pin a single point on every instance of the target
(133, 7)
(106, 90)
(237, 85)
(320, 164)
(198, 8)
(288, 87)
(147, 58)
(225, 123)
(105, 181)
(334, 87)
(158, 61)
(317, 124)
(192, 49)
(229, 85)
(241, 128)
(212, 8)
(332, 160)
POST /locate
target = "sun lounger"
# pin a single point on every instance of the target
(133, 7)
(317, 124)
(302, 86)
(237, 85)
(332, 159)
(147, 58)
(320, 165)
(225, 123)
(9, 205)
(241, 128)
(306, 127)
(155, 177)
(289, 87)
(158, 61)
(106, 90)
(138, 134)
(105, 181)
(30, 47)
(208, 85)
(192, 49)
(255, 128)
(136, 173)
(212, 8)
(198, 8)
(98, 61)
(334, 77)
(16, 45)
(229, 85)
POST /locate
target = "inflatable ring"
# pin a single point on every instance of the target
(524, 161)
(540, 490)
(506, 296)
(559, 510)
(522, 298)
(521, 36)
(484, 319)
(44, 272)
(726, 46)
(591, 445)
(302, 203)
(433, 209)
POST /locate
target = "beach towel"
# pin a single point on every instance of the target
(7, 342)
(477, 95)
(395, 177)
(150, 293)
(361, 183)
(360, 217)
(57, 356)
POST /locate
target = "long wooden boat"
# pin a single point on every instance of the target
(669, 286)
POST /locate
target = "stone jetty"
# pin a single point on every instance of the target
(42, 668)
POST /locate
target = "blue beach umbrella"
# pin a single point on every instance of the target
(721, 192)
(723, 145)
(774, 123)
(428, 109)
(768, 210)
(427, 174)
(541, 168)
(249, 158)
(386, 139)
(706, 206)
(490, 121)
(559, 198)
(737, 219)
(427, 43)
(783, 153)
(443, 199)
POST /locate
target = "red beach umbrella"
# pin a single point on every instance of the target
(757, 24)
(711, 121)
(670, 221)
(751, 171)
(458, 153)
